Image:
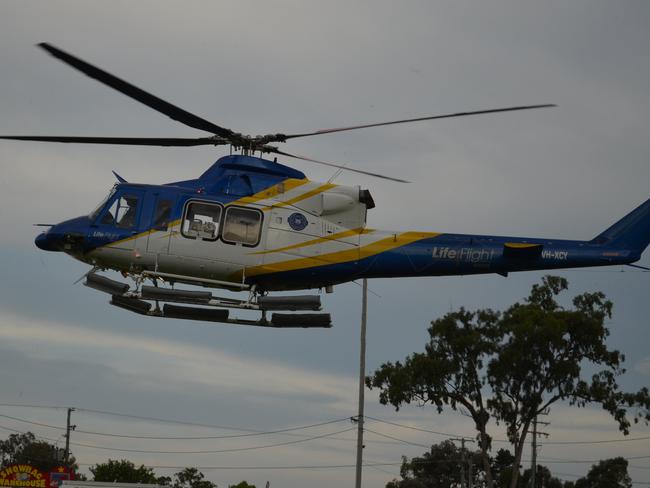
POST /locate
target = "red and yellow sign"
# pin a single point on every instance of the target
(22, 475)
(26, 476)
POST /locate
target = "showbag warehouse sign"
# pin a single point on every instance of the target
(27, 476)
(22, 475)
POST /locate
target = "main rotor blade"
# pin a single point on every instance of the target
(418, 119)
(333, 165)
(130, 141)
(136, 93)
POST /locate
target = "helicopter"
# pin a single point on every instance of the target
(253, 225)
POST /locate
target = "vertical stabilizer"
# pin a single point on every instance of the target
(631, 232)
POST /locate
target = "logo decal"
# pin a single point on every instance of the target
(463, 254)
(298, 221)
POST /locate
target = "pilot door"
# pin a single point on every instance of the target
(160, 223)
(118, 224)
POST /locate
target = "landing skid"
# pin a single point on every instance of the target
(212, 308)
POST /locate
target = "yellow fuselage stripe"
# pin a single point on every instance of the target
(299, 198)
(338, 257)
(271, 192)
(333, 237)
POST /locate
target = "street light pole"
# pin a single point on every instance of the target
(362, 378)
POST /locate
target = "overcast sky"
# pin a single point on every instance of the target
(292, 66)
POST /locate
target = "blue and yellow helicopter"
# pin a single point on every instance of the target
(254, 225)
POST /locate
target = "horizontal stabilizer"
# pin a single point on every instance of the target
(522, 250)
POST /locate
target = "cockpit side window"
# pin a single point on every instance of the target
(98, 209)
(122, 213)
(201, 221)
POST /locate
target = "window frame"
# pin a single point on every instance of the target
(115, 197)
(240, 243)
(186, 208)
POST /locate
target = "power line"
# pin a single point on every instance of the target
(446, 434)
(315, 466)
(216, 450)
(143, 451)
(585, 461)
(369, 465)
(231, 436)
(253, 432)
(289, 434)
(137, 417)
(606, 441)
(25, 405)
(397, 439)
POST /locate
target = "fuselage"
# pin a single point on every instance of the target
(256, 222)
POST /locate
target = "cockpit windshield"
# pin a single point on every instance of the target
(95, 213)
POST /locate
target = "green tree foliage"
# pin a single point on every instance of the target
(242, 484)
(543, 478)
(609, 473)
(502, 467)
(122, 471)
(441, 467)
(26, 449)
(542, 357)
(451, 372)
(191, 478)
(512, 366)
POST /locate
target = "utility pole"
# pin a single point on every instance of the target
(534, 456)
(68, 428)
(362, 378)
(465, 481)
(533, 468)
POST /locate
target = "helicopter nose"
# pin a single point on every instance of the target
(48, 241)
(66, 236)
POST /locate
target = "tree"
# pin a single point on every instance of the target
(608, 473)
(543, 352)
(543, 477)
(122, 471)
(242, 484)
(451, 372)
(26, 449)
(191, 478)
(441, 467)
(512, 366)
(502, 467)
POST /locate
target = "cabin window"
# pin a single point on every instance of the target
(201, 221)
(242, 226)
(162, 214)
(122, 212)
